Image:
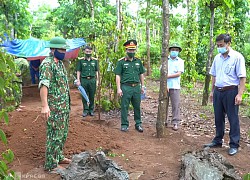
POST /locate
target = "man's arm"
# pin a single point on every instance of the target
(78, 75)
(44, 99)
(118, 84)
(213, 83)
(174, 75)
(242, 85)
(238, 98)
(142, 80)
(212, 89)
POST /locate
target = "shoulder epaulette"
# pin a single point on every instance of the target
(94, 58)
(81, 58)
(121, 59)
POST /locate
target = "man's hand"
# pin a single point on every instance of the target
(119, 92)
(142, 90)
(45, 112)
(78, 83)
(238, 99)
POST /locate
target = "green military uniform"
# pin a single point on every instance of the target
(130, 71)
(53, 75)
(88, 69)
(22, 68)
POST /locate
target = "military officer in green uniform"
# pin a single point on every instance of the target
(130, 84)
(55, 98)
(87, 75)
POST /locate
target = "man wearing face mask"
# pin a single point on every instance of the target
(55, 98)
(130, 85)
(175, 69)
(87, 75)
(228, 83)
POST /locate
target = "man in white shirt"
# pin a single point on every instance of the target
(175, 69)
(228, 83)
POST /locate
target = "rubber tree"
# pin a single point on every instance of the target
(163, 95)
(211, 5)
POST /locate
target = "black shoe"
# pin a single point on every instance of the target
(232, 151)
(213, 145)
(124, 129)
(139, 128)
(84, 114)
(91, 114)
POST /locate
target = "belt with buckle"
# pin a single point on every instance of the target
(225, 88)
(89, 77)
(131, 84)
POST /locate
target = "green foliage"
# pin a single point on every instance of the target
(7, 69)
(155, 55)
(246, 176)
(155, 72)
(191, 40)
(15, 18)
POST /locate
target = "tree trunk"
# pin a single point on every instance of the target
(163, 100)
(148, 38)
(118, 23)
(92, 10)
(210, 55)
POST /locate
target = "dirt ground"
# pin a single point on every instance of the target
(142, 155)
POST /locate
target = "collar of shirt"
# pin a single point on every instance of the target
(175, 59)
(126, 59)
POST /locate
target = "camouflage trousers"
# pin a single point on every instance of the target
(57, 132)
(17, 93)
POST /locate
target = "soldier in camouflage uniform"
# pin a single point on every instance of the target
(55, 97)
(130, 85)
(21, 69)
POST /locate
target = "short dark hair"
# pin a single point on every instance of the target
(225, 37)
(88, 47)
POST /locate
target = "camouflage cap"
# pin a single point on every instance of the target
(175, 45)
(58, 43)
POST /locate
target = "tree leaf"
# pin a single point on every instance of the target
(246, 176)
(6, 117)
(3, 166)
(8, 156)
(3, 137)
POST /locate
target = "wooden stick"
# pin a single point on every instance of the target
(36, 118)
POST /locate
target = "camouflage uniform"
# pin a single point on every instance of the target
(22, 68)
(54, 76)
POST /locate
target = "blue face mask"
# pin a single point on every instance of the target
(58, 55)
(174, 53)
(222, 50)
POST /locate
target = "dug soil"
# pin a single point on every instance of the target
(142, 155)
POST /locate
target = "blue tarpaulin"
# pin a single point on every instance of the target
(35, 49)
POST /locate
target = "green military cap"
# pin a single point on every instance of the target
(58, 42)
(130, 44)
(175, 45)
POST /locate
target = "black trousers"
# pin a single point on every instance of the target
(224, 104)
